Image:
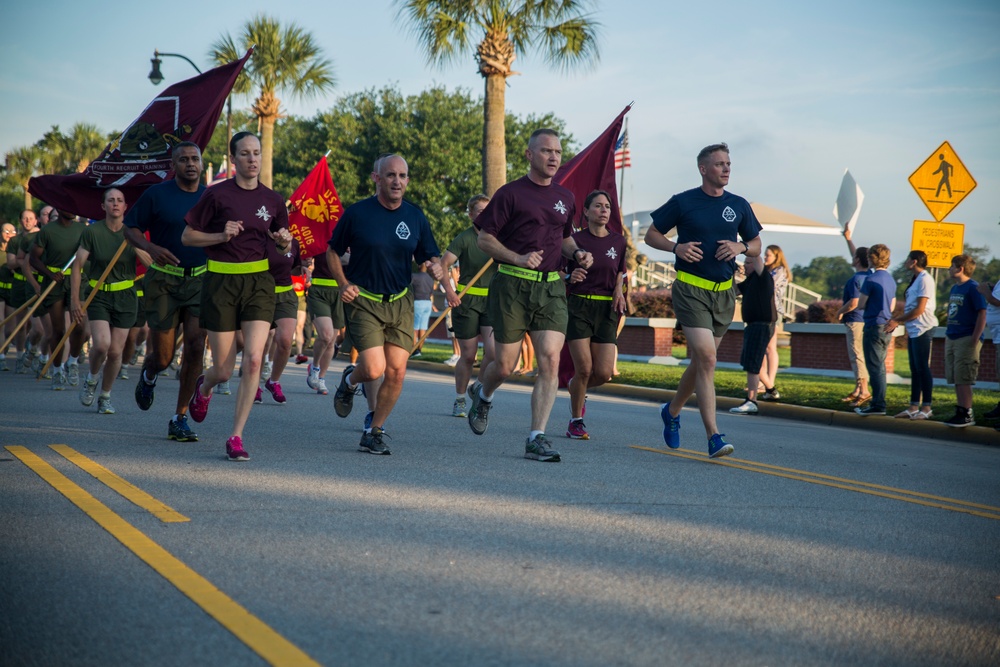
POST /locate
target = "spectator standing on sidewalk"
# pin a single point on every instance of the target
(920, 320)
(963, 337)
(853, 320)
(992, 295)
(775, 264)
(877, 301)
(759, 315)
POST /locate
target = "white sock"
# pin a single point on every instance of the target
(576, 419)
(482, 395)
(105, 394)
(534, 434)
(459, 397)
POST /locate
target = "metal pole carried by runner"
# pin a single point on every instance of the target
(447, 310)
(93, 293)
(41, 297)
(20, 308)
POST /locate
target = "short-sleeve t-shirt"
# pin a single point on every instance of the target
(852, 290)
(160, 212)
(321, 267)
(261, 210)
(609, 262)
(22, 244)
(465, 246)
(698, 216)
(423, 285)
(281, 264)
(384, 243)
(964, 304)
(758, 298)
(59, 243)
(922, 286)
(881, 290)
(526, 217)
(102, 244)
(993, 312)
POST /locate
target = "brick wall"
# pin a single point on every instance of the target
(647, 337)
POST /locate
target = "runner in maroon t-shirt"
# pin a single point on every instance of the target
(234, 222)
(526, 228)
(596, 302)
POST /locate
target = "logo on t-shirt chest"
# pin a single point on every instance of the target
(612, 253)
(402, 231)
(263, 214)
(728, 214)
(560, 207)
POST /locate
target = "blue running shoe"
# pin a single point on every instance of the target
(718, 447)
(671, 427)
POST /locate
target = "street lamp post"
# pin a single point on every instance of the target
(157, 77)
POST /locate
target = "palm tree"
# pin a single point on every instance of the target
(23, 163)
(503, 29)
(284, 60)
(83, 144)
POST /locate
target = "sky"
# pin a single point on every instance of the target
(799, 91)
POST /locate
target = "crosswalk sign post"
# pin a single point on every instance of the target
(942, 181)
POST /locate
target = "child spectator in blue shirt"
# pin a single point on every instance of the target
(963, 337)
(759, 315)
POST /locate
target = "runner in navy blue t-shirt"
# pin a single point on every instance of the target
(710, 223)
(385, 234)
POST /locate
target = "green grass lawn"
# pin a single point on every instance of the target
(817, 391)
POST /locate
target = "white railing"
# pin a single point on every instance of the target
(798, 298)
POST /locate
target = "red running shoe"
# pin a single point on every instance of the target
(274, 388)
(234, 449)
(198, 405)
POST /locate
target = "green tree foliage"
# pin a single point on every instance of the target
(826, 275)
(436, 131)
(495, 33)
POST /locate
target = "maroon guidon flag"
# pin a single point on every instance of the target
(140, 156)
(593, 168)
(315, 210)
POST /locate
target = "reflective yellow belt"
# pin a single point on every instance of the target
(5, 285)
(595, 297)
(384, 298)
(528, 274)
(18, 276)
(114, 287)
(474, 291)
(232, 268)
(280, 289)
(57, 269)
(139, 292)
(181, 271)
(710, 285)
(325, 282)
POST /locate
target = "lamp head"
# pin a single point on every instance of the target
(154, 74)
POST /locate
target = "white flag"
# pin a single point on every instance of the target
(848, 206)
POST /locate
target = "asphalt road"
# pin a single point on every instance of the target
(813, 544)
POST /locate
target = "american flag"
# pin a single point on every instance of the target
(623, 157)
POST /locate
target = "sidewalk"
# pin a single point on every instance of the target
(928, 430)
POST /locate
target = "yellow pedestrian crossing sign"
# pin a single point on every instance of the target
(942, 181)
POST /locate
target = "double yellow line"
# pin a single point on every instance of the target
(915, 497)
(249, 629)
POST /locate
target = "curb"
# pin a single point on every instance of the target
(979, 435)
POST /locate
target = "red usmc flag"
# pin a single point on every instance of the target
(315, 210)
(140, 156)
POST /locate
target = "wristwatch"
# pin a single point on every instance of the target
(746, 247)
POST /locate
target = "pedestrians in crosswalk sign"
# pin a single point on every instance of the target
(942, 181)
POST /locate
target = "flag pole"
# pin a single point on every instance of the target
(22, 307)
(447, 310)
(90, 297)
(41, 298)
(621, 188)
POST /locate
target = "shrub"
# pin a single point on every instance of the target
(652, 303)
(822, 311)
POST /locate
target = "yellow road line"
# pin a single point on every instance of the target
(132, 493)
(249, 629)
(953, 505)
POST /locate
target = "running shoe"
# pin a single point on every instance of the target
(258, 397)
(343, 400)
(5, 365)
(59, 381)
(88, 391)
(718, 447)
(36, 363)
(870, 411)
(234, 449)
(301, 359)
(960, 419)
(671, 427)
(274, 388)
(458, 409)
(313, 377)
(371, 442)
(198, 405)
(144, 392)
(452, 360)
(20, 365)
(540, 449)
(224, 389)
(993, 414)
(772, 395)
(180, 431)
(416, 354)
(479, 412)
(321, 387)
(104, 406)
(73, 373)
(123, 372)
(265, 371)
(748, 408)
(576, 430)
